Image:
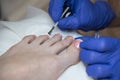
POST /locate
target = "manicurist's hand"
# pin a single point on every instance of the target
(85, 15)
(102, 56)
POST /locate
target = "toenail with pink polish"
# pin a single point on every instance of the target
(77, 43)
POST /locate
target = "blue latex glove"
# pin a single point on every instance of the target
(102, 56)
(85, 14)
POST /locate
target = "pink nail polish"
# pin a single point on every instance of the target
(77, 43)
(81, 40)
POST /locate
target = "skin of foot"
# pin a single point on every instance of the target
(39, 58)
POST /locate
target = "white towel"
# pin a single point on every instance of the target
(38, 24)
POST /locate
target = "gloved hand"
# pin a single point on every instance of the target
(85, 14)
(102, 56)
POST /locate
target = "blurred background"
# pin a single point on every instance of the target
(14, 10)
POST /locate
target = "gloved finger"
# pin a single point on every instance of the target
(99, 70)
(115, 78)
(93, 57)
(105, 19)
(99, 44)
(105, 79)
(67, 23)
(56, 9)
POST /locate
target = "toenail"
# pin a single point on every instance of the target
(80, 40)
(77, 43)
(47, 36)
(58, 35)
(69, 38)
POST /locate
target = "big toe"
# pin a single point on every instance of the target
(70, 56)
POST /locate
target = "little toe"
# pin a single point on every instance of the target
(28, 39)
(61, 45)
(53, 40)
(70, 56)
(40, 40)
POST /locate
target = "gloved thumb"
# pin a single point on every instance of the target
(99, 44)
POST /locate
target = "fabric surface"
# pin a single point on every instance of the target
(38, 23)
(13, 10)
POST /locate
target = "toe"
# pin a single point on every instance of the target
(61, 45)
(40, 40)
(53, 40)
(28, 39)
(71, 55)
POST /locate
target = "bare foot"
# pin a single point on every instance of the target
(39, 58)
